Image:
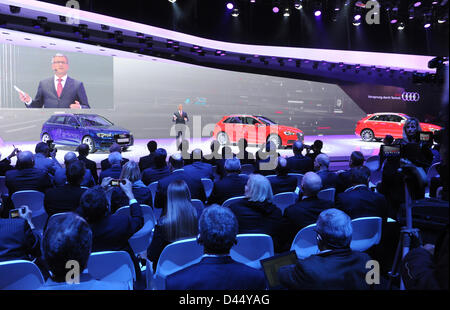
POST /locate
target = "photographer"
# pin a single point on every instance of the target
(314, 150)
(45, 158)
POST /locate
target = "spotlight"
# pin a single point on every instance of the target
(235, 13)
(172, 1)
(411, 14)
(317, 13)
(427, 25)
(298, 4)
(252, 1)
(275, 9)
(357, 17)
(230, 5)
(286, 12)
(14, 9)
(426, 21)
(417, 4)
(401, 26)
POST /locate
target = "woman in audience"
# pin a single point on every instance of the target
(179, 222)
(141, 192)
(256, 213)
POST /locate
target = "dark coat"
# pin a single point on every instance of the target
(299, 164)
(152, 174)
(146, 161)
(65, 198)
(232, 185)
(92, 166)
(17, 240)
(361, 202)
(283, 183)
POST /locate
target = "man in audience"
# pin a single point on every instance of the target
(217, 270)
(336, 267)
(299, 163)
(69, 238)
(314, 150)
(283, 182)
(111, 231)
(83, 152)
(358, 200)
(148, 160)
(245, 157)
(194, 183)
(105, 164)
(115, 160)
(198, 168)
(60, 174)
(226, 153)
(306, 210)
(66, 198)
(159, 170)
(184, 148)
(231, 185)
(45, 158)
(212, 157)
(266, 159)
(329, 178)
(345, 177)
(5, 163)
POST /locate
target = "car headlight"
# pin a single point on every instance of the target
(433, 129)
(289, 133)
(104, 135)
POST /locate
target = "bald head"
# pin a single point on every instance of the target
(176, 161)
(69, 158)
(297, 147)
(323, 161)
(282, 168)
(25, 160)
(115, 148)
(311, 184)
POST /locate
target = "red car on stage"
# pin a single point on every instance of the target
(256, 129)
(378, 125)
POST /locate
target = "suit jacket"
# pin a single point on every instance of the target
(329, 179)
(301, 214)
(260, 218)
(141, 193)
(230, 186)
(92, 166)
(344, 181)
(283, 183)
(27, 179)
(146, 161)
(265, 164)
(200, 170)
(217, 273)
(46, 163)
(342, 269)
(361, 202)
(5, 165)
(65, 198)
(17, 240)
(113, 172)
(300, 164)
(46, 95)
(180, 118)
(104, 164)
(151, 175)
(194, 184)
(60, 178)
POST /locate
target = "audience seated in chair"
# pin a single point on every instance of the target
(266, 159)
(345, 177)
(142, 194)
(283, 182)
(111, 231)
(329, 178)
(336, 267)
(257, 213)
(387, 141)
(198, 168)
(159, 170)
(67, 244)
(218, 228)
(245, 157)
(66, 198)
(179, 222)
(212, 157)
(83, 152)
(358, 200)
(231, 185)
(226, 153)
(106, 164)
(45, 159)
(115, 169)
(5, 163)
(306, 210)
(299, 163)
(60, 174)
(148, 160)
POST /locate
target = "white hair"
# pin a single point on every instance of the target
(335, 227)
(60, 55)
(258, 188)
(115, 158)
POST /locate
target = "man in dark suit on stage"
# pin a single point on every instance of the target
(217, 270)
(180, 118)
(59, 91)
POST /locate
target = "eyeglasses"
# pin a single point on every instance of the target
(59, 62)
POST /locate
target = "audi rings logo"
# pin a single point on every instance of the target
(409, 96)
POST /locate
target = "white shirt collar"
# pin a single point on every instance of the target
(64, 78)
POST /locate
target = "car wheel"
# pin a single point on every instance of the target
(46, 137)
(276, 140)
(88, 140)
(222, 138)
(367, 135)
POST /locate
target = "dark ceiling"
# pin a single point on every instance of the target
(257, 24)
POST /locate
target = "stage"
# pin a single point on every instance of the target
(337, 147)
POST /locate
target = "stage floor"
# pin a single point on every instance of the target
(337, 147)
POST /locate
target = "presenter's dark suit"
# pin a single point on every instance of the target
(283, 183)
(342, 269)
(360, 201)
(47, 97)
(17, 240)
(217, 273)
(151, 175)
(179, 120)
(231, 185)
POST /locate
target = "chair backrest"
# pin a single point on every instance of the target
(432, 171)
(251, 248)
(198, 205)
(20, 275)
(372, 162)
(366, 233)
(247, 169)
(231, 200)
(140, 241)
(327, 194)
(35, 202)
(114, 266)
(176, 256)
(271, 176)
(208, 185)
(3, 189)
(284, 200)
(153, 186)
(299, 177)
(305, 242)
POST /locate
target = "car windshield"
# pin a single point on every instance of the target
(94, 120)
(266, 121)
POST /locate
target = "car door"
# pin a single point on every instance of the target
(251, 127)
(72, 130)
(55, 130)
(396, 126)
(379, 125)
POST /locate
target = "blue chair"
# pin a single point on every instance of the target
(305, 242)
(327, 194)
(208, 185)
(152, 187)
(232, 200)
(251, 248)
(247, 169)
(35, 202)
(198, 205)
(366, 233)
(3, 189)
(20, 275)
(299, 177)
(284, 200)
